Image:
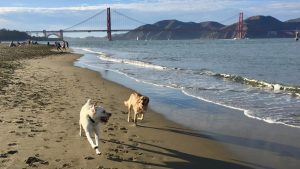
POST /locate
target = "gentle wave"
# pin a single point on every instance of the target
(210, 101)
(104, 57)
(128, 76)
(245, 111)
(268, 120)
(293, 90)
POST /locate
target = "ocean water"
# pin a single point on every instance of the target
(260, 78)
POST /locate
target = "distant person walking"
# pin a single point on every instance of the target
(58, 46)
(67, 43)
(64, 45)
(12, 44)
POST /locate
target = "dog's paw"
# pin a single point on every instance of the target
(98, 152)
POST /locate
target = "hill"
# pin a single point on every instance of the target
(7, 35)
(255, 27)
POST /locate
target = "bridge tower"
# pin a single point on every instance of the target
(61, 33)
(240, 27)
(108, 24)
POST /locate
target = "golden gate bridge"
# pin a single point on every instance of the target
(102, 22)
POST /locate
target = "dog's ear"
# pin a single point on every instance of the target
(93, 108)
(88, 101)
(146, 100)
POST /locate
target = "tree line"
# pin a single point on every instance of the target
(10, 35)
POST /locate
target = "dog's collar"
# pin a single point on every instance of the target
(93, 121)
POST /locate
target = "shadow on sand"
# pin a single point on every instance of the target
(280, 149)
(190, 161)
(185, 160)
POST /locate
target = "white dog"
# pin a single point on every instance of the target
(90, 118)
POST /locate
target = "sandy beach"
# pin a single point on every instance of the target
(39, 124)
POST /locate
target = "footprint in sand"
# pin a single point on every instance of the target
(31, 135)
(111, 135)
(66, 165)
(89, 158)
(12, 144)
(46, 147)
(46, 139)
(33, 161)
(123, 128)
(11, 152)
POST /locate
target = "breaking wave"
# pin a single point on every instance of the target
(293, 90)
(106, 57)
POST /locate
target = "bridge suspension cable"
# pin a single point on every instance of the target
(130, 18)
(86, 20)
(231, 18)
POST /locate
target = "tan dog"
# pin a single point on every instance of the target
(139, 104)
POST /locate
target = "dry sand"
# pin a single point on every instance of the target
(39, 125)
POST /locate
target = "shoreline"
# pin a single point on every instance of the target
(255, 141)
(40, 120)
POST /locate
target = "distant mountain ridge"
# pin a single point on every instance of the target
(255, 27)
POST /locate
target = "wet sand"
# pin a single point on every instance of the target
(39, 125)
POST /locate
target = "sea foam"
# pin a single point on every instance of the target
(105, 57)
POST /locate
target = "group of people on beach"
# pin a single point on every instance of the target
(61, 46)
(12, 44)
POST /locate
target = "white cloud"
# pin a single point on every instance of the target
(286, 6)
(150, 5)
(175, 5)
(4, 10)
(5, 22)
(278, 9)
(162, 6)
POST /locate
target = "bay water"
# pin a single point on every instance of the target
(259, 78)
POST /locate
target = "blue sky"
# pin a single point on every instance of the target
(59, 14)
